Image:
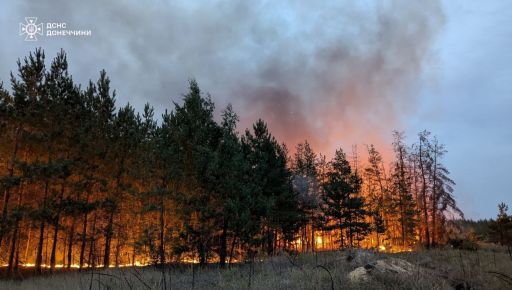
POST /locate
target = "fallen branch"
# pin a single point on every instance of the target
(329, 272)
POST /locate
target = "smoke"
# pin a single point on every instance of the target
(334, 73)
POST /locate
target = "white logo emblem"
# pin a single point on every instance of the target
(31, 29)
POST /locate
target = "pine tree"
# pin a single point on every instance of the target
(442, 190)
(344, 206)
(403, 201)
(125, 137)
(305, 183)
(197, 135)
(94, 145)
(42, 93)
(275, 203)
(378, 226)
(424, 162)
(500, 230)
(433, 186)
(156, 177)
(21, 109)
(228, 178)
(377, 192)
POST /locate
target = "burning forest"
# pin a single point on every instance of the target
(85, 184)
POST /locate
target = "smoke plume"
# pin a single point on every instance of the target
(336, 73)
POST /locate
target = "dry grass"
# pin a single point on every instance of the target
(434, 269)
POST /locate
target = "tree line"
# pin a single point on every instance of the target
(86, 184)
(467, 233)
(500, 229)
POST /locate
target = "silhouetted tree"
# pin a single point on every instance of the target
(343, 203)
(305, 183)
(403, 203)
(500, 230)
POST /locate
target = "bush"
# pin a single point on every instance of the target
(464, 244)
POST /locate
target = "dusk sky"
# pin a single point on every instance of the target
(336, 74)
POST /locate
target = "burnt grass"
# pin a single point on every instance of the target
(487, 268)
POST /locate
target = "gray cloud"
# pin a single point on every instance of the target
(334, 73)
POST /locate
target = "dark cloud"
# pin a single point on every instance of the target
(334, 73)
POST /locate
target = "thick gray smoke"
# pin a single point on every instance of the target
(335, 73)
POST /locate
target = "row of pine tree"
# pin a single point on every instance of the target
(86, 184)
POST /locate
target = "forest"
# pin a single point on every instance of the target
(88, 184)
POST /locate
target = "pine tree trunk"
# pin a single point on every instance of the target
(342, 244)
(202, 253)
(270, 244)
(13, 247)
(56, 232)
(7, 193)
(54, 244)
(108, 239)
(84, 237)
(64, 250)
(313, 242)
(415, 180)
(382, 199)
(162, 231)
(110, 225)
(27, 246)
(402, 221)
(92, 255)
(39, 255)
(233, 244)
(70, 242)
(17, 257)
(223, 244)
(434, 198)
(15, 239)
(3, 222)
(133, 256)
(71, 237)
(424, 197)
(402, 193)
(84, 241)
(276, 242)
(351, 236)
(305, 243)
(118, 251)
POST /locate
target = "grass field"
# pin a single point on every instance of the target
(433, 269)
